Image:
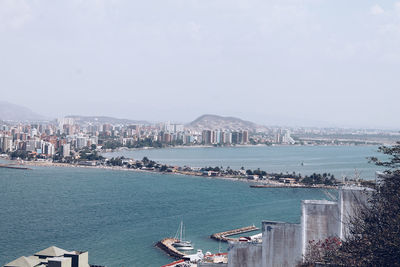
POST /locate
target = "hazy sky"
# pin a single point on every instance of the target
(286, 62)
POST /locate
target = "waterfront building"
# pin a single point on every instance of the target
(287, 139)
(81, 142)
(53, 257)
(65, 150)
(228, 138)
(206, 137)
(166, 138)
(6, 143)
(245, 137)
(47, 148)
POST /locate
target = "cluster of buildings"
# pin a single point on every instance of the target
(64, 136)
(53, 257)
(43, 140)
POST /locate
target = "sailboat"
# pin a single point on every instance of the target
(182, 244)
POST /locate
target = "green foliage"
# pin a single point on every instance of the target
(115, 161)
(112, 144)
(22, 154)
(86, 154)
(325, 178)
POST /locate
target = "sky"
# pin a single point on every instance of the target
(283, 62)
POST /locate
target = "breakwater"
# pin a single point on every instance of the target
(167, 247)
(14, 167)
(224, 236)
(292, 186)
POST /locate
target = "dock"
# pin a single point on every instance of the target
(167, 247)
(294, 186)
(224, 236)
(14, 167)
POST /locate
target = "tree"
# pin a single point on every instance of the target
(145, 160)
(375, 229)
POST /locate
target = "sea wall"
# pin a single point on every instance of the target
(244, 254)
(281, 244)
(210, 264)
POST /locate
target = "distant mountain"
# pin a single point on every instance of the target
(12, 112)
(212, 122)
(104, 119)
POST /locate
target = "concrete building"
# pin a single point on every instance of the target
(206, 137)
(23, 261)
(48, 148)
(349, 205)
(6, 143)
(245, 137)
(59, 262)
(284, 244)
(65, 150)
(244, 254)
(53, 257)
(81, 142)
(320, 219)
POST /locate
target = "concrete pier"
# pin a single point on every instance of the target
(9, 166)
(167, 247)
(223, 236)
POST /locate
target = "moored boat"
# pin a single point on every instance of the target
(182, 244)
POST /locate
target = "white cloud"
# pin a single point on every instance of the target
(376, 10)
(14, 13)
(397, 7)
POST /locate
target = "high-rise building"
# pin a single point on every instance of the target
(235, 138)
(65, 150)
(6, 143)
(81, 142)
(206, 137)
(245, 137)
(48, 148)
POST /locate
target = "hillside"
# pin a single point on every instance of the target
(12, 112)
(209, 121)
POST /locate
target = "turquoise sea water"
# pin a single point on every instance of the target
(339, 160)
(118, 215)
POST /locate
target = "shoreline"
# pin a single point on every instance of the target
(230, 146)
(252, 183)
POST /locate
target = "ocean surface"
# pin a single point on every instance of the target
(118, 216)
(339, 160)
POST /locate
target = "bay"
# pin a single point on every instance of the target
(118, 216)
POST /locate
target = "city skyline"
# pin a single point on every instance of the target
(272, 62)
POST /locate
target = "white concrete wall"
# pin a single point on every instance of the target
(244, 254)
(320, 219)
(281, 244)
(350, 201)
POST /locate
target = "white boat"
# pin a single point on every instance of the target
(182, 244)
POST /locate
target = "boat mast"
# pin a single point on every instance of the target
(180, 238)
